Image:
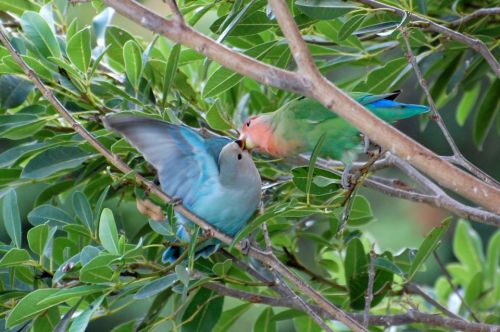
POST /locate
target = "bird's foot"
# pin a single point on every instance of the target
(208, 233)
(345, 179)
(245, 246)
(366, 147)
(176, 201)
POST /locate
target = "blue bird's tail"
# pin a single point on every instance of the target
(391, 111)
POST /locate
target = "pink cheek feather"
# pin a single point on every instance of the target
(262, 136)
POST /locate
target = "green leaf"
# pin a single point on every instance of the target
(170, 71)
(485, 116)
(47, 321)
(54, 160)
(216, 119)
(81, 322)
(467, 102)
(156, 286)
(229, 317)
(82, 208)
(133, 62)
(28, 307)
(79, 49)
(305, 324)
(38, 237)
(15, 257)
(13, 91)
(98, 270)
(381, 79)
(11, 218)
(252, 24)
(18, 6)
(429, 244)
(24, 130)
(361, 212)
(67, 294)
(222, 268)
(51, 214)
(108, 234)
(378, 27)
(11, 156)
(467, 246)
(325, 9)
(265, 322)
(40, 34)
(474, 288)
(224, 79)
(204, 310)
(312, 163)
(350, 26)
(116, 38)
(493, 258)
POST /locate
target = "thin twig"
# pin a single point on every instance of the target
(411, 317)
(476, 14)
(427, 24)
(369, 290)
(172, 4)
(457, 157)
(452, 285)
(412, 288)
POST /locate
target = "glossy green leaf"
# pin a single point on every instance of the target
(486, 114)
(81, 322)
(361, 212)
(223, 79)
(469, 99)
(37, 238)
(66, 294)
(170, 71)
(325, 9)
(265, 322)
(11, 218)
(108, 234)
(305, 324)
(46, 321)
(133, 62)
(493, 258)
(13, 90)
(474, 289)
(382, 79)
(54, 160)
(467, 246)
(222, 268)
(350, 26)
(156, 286)
(217, 120)
(230, 316)
(115, 39)
(430, 243)
(11, 156)
(40, 34)
(98, 270)
(14, 257)
(51, 214)
(18, 7)
(312, 163)
(204, 310)
(82, 208)
(79, 49)
(28, 307)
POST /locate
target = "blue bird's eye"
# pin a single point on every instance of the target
(239, 156)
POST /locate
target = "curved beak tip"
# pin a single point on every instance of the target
(241, 143)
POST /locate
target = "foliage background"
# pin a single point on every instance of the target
(56, 180)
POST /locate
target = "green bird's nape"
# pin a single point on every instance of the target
(297, 126)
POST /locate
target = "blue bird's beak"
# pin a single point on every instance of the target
(241, 143)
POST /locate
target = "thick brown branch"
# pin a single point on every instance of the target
(328, 94)
(427, 24)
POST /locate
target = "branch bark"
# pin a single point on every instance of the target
(472, 16)
(411, 317)
(328, 94)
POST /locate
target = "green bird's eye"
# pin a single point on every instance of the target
(248, 123)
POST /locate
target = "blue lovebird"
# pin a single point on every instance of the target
(214, 177)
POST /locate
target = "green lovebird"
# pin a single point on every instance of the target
(298, 125)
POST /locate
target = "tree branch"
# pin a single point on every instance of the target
(472, 16)
(427, 24)
(369, 290)
(411, 317)
(325, 92)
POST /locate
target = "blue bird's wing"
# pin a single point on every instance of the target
(185, 161)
